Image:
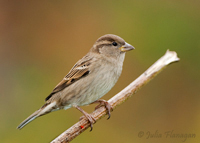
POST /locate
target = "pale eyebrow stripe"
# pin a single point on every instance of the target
(102, 43)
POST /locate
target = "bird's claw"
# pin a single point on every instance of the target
(107, 106)
(90, 119)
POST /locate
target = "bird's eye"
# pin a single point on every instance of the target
(114, 44)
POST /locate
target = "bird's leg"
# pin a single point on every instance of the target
(88, 116)
(104, 103)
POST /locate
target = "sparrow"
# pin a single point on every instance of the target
(88, 80)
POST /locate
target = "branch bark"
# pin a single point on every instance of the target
(132, 88)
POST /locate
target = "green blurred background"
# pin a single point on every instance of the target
(41, 40)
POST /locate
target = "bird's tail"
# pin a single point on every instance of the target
(29, 119)
(46, 108)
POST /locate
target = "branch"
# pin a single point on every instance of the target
(150, 73)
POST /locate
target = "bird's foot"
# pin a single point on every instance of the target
(106, 104)
(88, 116)
(91, 120)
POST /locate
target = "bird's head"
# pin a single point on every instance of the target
(111, 45)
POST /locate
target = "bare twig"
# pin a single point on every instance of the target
(150, 73)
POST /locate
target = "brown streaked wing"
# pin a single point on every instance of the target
(79, 70)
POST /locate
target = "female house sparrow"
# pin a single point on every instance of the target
(89, 79)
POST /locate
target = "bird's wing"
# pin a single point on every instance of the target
(79, 70)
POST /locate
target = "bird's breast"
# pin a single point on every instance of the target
(97, 83)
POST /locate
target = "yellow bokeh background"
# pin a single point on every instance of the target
(41, 40)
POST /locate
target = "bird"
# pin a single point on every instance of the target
(88, 80)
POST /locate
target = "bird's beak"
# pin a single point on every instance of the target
(126, 47)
